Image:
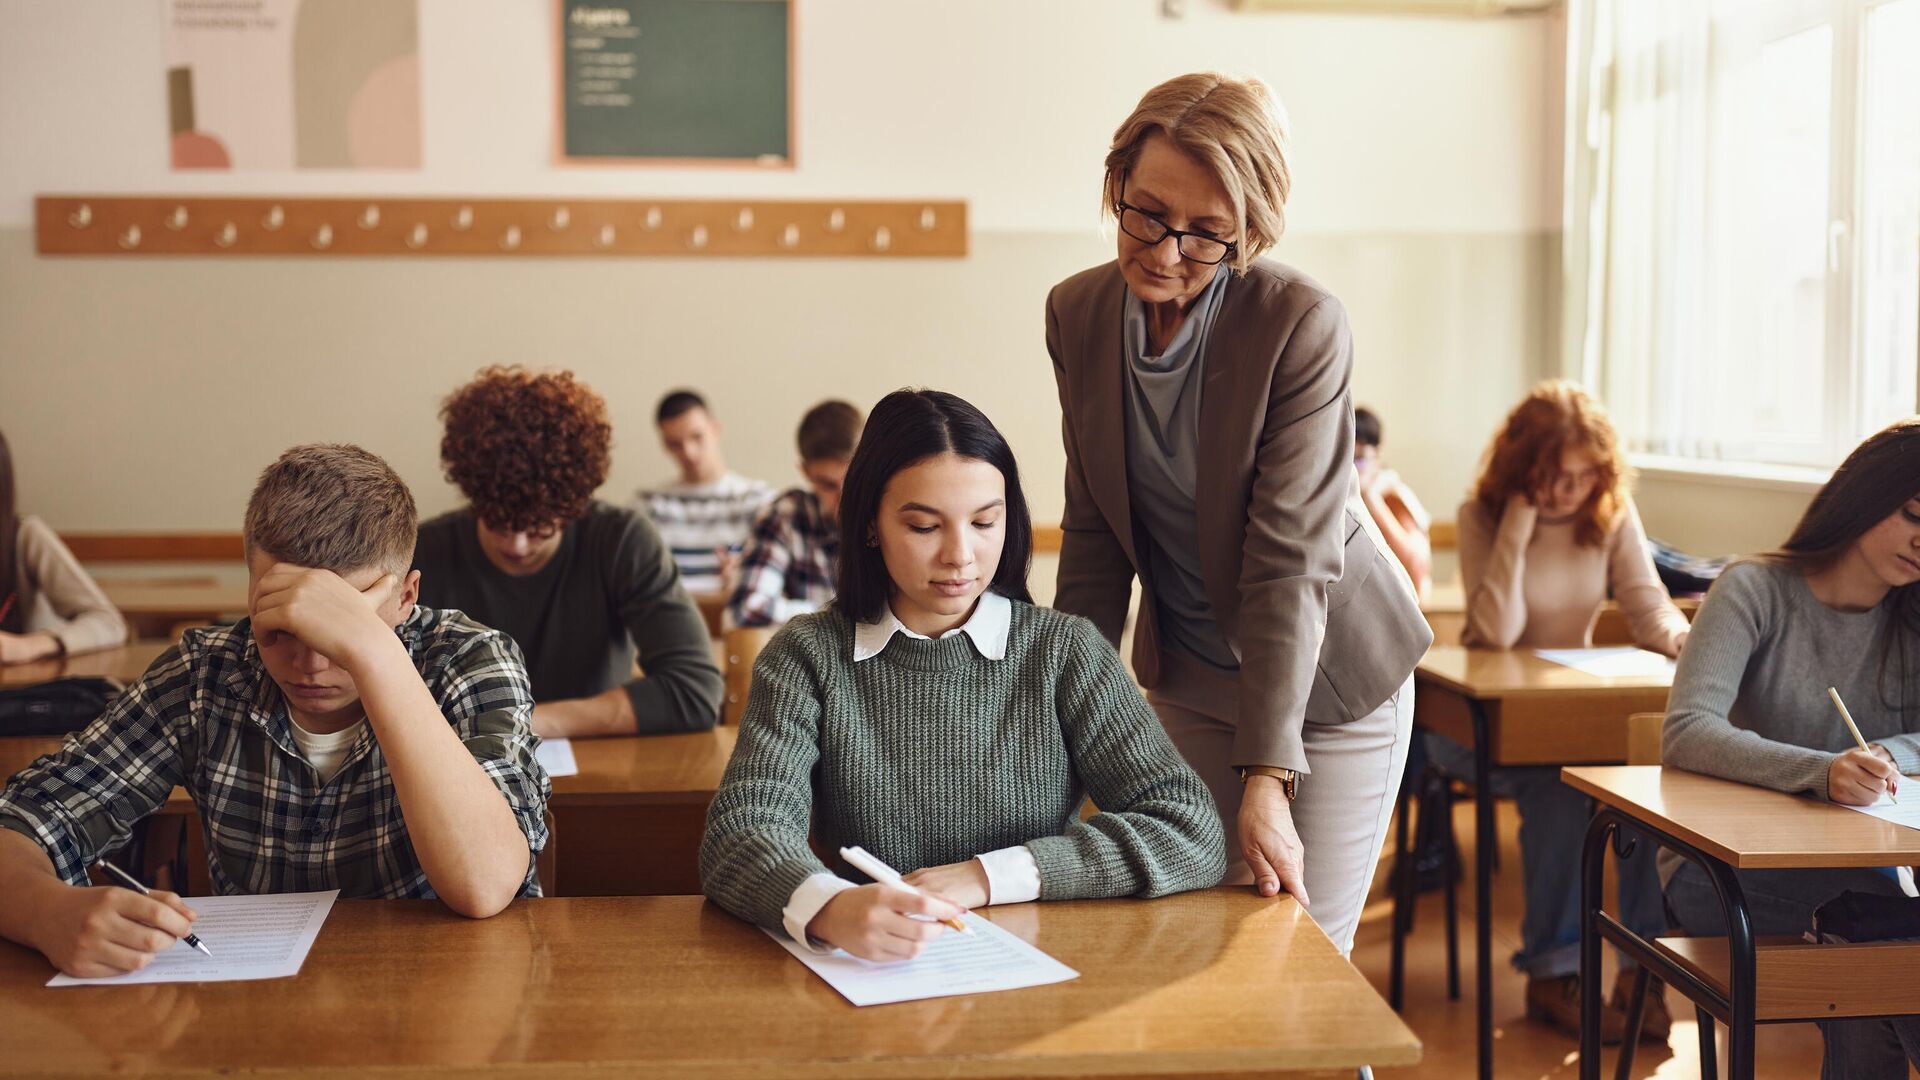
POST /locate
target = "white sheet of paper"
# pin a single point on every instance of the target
(1611, 662)
(556, 756)
(251, 937)
(951, 964)
(1907, 813)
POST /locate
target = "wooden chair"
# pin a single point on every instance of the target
(740, 647)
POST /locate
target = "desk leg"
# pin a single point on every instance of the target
(1593, 866)
(1483, 841)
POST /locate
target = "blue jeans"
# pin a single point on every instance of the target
(1553, 826)
(1782, 902)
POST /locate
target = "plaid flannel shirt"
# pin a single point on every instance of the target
(208, 717)
(789, 564)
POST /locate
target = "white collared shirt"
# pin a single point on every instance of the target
(1012, 875)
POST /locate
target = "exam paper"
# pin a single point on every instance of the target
(251, 937)
(953, 963)
(1907, 813)
(556, 756)
(1611, 662)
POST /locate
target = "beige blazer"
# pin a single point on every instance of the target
(1325, 621)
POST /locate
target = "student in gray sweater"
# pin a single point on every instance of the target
(937, 718)
(1838, 605)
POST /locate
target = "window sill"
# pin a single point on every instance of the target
(1745, 474)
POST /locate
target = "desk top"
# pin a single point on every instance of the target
(124, 663)
(1213, 982)
(1450, 598)
(648, 768)
(1518, 673)
(1744, 826)
(188, 598)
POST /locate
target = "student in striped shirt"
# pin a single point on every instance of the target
(341, 737)
(706, 514)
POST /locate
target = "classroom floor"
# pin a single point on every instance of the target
(1522, 1048)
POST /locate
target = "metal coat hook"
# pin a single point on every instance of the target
(653, 217)
(836, 220)
(275, 218)
(370, 217)
(227, 235)
(178, 219)
(604, 238)
(697, 239)
(131, 238)
(562, 217)
(882, 238)
(744, 219)
(927, 219)
(323, 237)
(417, 236)
(790, 236)
(463, 219)
(81, 217)
(510, 240)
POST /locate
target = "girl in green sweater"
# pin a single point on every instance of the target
(937, 718)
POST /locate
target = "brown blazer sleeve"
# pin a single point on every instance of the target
(1095, 577)
(1296, 536)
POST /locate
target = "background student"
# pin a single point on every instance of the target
(1837, 605)
(705, 514)
(340, 737)
(936, 717)
(1402, 520)
(1549, 533)
(788, 565)
(49, 606)
(581, 585)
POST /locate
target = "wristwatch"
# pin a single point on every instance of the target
(1289, 780)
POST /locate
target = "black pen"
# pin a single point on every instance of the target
(133, 883)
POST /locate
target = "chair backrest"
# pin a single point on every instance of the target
(740, 647)
(1643, 737)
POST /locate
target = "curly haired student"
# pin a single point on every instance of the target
(582, 585)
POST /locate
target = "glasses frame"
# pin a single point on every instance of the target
(1120, 208)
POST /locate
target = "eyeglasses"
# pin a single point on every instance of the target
(1149, 229)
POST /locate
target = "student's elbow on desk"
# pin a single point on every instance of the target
(479, 900)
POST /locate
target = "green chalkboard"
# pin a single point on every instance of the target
(686, 79)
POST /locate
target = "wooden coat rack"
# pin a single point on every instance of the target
(118, 225)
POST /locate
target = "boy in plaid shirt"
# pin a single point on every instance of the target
(340, 737)
(793, 554)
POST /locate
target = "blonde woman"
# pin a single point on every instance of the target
(1209, 439)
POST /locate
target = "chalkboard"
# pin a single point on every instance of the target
(708, 80)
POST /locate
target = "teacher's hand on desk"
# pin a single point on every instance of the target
(1269, 841)
(1857, 777)
(875, 922)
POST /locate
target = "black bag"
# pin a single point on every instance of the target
(59, 707)
(1858, 916)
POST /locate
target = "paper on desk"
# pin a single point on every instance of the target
(991, 959)
(556, 756)
(1611, 662)
(251, 937)
(1907, 813)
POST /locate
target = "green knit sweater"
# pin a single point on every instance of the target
(930, 753)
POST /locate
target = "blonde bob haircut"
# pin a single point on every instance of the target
(1232, 126)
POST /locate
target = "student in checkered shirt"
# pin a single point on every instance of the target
(341, 737)
(793, 554)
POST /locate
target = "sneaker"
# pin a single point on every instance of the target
(1555, 1001)
(1656, 1023)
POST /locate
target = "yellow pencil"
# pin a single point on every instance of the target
(1857, 737)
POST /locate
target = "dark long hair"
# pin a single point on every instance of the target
(904, 429)
(1877, 479)
(15, 619)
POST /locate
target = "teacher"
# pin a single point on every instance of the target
(1208, 423)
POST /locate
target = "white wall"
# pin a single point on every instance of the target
(1425, 154)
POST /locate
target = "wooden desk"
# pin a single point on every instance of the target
(154, 606)
(630, 823)
(123, 664)
(1446, 610)
(1741, 979)
(1221, 983)
(1512, 708)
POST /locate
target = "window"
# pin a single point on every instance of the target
(1744, 222)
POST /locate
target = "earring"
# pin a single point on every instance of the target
(873, 541)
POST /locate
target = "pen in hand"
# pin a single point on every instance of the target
(1857, 737)
(133, 883)
(864, 861)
